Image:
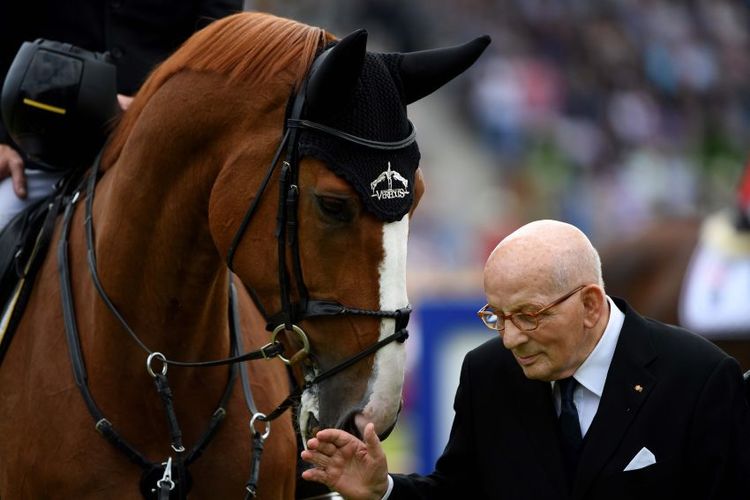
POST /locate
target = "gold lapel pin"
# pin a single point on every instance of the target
(638, 388)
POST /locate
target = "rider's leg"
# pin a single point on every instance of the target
(39, 184)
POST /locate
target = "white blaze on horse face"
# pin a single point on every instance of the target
(387, 378)
(383, 397)
(309, 405)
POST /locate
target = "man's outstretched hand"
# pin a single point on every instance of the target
(355, 469)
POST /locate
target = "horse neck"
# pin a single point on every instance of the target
(156, 257)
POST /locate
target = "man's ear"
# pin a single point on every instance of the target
(594, 303)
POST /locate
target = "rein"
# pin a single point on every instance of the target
(266, 352)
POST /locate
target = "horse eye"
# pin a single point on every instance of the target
(335, 208)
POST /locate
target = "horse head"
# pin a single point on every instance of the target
(339, 278)
(353, 229)
(293, 131)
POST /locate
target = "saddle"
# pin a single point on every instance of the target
(24, 242)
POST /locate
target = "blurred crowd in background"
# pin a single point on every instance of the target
(609, 114)
(617, 111)
(604, 113)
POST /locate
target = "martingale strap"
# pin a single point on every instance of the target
(102, 424)
(74, 348)
(258, 438)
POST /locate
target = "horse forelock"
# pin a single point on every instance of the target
(252, 47)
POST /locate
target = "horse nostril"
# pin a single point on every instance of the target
(349, 424)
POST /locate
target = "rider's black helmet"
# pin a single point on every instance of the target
(58, 101)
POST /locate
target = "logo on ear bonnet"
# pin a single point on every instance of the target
(389, 192)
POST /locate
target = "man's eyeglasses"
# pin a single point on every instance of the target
(524, 321)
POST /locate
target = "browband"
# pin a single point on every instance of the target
(382, 145)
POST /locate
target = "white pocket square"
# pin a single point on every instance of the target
(642, 459)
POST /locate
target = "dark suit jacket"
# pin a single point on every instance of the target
(691, 413)
(137, 33)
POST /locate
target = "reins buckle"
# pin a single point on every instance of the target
(102, 424)
(265, 354)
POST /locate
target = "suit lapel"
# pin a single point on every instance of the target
(537, 413)
(627, 387)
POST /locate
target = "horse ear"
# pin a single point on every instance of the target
(334, 73)
(426, 71)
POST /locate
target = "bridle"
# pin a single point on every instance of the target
(161, 475)
(287, 229)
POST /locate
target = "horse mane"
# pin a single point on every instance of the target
(248, 46)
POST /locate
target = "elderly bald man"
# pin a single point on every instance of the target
(577, 397)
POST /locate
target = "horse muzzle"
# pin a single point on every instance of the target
(355, 421)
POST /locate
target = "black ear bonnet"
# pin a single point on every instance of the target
(372, 110)
(364, 94)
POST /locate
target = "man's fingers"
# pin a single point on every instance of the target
(324, 471)
(371, 439)
(337, 437)
(327, 449)
(313, 457)
(328, 456)
(317, 475)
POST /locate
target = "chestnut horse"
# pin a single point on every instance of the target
(191, 181)
(650, 270)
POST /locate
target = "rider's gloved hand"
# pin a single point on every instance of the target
(11, 164)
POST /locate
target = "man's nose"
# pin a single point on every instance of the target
(512, 336)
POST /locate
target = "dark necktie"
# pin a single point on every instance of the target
(570, 427)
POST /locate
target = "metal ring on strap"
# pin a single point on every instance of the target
(302, 335)
(161, 358)
(262, 417)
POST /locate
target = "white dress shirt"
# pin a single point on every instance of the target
(592, 374)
